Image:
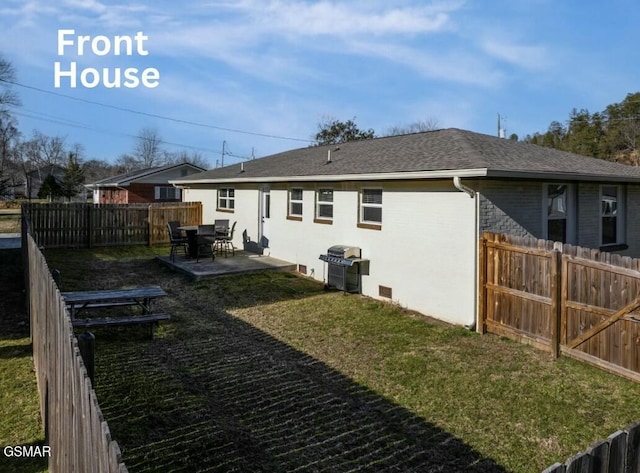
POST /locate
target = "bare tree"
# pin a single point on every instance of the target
(9, 137)
(127, 163)
(97, 169)
(148, 148)
(430, 124)
(7, 75)
(40, 154)
(183, 156)
(42, 150)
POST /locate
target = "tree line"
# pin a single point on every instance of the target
(612, 134)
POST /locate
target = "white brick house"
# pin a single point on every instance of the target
(415, 204)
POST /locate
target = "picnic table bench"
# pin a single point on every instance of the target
(144, 297)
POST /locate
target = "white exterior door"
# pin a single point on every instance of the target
(265, 216)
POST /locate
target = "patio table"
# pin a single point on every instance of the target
(192, 238)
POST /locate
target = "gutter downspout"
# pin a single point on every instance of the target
(457, 183)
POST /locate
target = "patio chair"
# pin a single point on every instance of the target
(222, 226)
(177, 240)
(224, 243)
(206, 240)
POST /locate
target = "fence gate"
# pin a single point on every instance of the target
(565, 299)
(599, 319)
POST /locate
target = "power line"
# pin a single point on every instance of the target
(152, 115)
(62, 121)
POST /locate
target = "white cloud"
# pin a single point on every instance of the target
(451, 65)
(340, 19)
(527, 56)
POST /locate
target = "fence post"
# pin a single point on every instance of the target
(482, 281)
(150, 224)
(556, 302)
(89, 227)
(87, 346)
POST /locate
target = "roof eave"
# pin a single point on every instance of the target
(394, 176)
(561, 176)
(383, 176)
(111, 184)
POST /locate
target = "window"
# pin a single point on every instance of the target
(559, 221)
(167, 193)
(295, 203)
(371, 206)
(226, 199)
(324, 208)
(611, 215)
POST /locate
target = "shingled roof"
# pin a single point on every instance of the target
(434, 154)
(125, 179)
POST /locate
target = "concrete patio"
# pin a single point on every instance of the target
(242, 262)
(10, 241)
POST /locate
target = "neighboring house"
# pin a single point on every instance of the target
(142, 186)
(35, 178)
(416, 204)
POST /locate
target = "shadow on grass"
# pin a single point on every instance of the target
(14, 322)
(236, 399)
(15, 351)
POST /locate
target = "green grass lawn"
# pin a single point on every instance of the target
(9, 221)
(507, 402)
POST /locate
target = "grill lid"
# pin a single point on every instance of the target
(344, 251)
(336, 260)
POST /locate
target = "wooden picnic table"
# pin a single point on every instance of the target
(144, 297)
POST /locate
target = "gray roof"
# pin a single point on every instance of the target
(126, 178)
(433, 154)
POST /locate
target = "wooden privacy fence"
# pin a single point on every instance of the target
(76, 431)
(620, 453)
(65, 225)
(566, 299)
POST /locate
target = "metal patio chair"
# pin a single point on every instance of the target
(224, 243)
(177, 239)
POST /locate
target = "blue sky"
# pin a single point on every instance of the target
(261, 74)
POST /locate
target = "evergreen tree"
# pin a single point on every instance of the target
(73, 177)
(334, 131)
(50, 189)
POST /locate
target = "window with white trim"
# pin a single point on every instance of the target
(295, 202)
(226, 199)
(324, 204)
(166, 193)
(559, 218)
(611, 215)
(371, 206)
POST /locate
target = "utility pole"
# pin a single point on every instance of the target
(224, 144)
(501, 131)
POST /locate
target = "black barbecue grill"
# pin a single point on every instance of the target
(344, 268)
